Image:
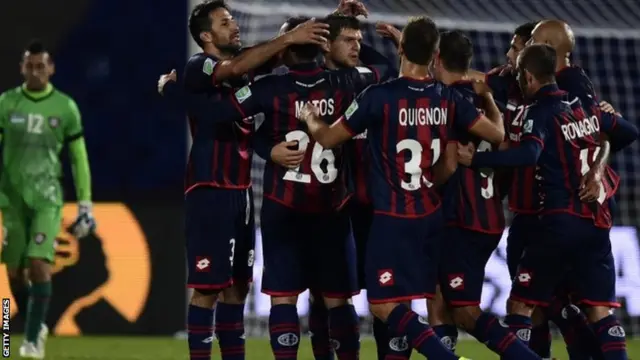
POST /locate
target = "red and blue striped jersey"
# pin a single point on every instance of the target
(472, 196)
(570, 145)
(407, 123)
(320, 182)
(220, 154)
(506, 91)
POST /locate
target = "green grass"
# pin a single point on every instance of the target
(158, 348)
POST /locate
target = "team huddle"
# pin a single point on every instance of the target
(392, 180)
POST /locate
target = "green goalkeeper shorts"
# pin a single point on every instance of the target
(28, 233)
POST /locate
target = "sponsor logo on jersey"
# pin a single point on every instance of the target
(17, 118)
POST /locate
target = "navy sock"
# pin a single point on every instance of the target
(319, 330)
(345, 332)
(230, 330)
(500, 339)
(448, 335)
(540, 342)
(419, 334)
(580, 340)
(520, 326)
(284, 331)
(611, 337)
(200, 328)
(381, 336)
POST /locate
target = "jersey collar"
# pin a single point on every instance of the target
(308, 68)
(37, 95)
(551, 90)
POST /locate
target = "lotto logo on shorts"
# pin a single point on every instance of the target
(524, 277)
(456, 281)
(203, 264)
(385, 277)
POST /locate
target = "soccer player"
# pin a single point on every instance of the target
(303, 202)
(219, 207)
(556, 139)
(36, 121)
(473, 215)
(401, 117)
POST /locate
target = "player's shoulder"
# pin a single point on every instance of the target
(201, 62)
(11, 93)
(64, 99)
(575, 80)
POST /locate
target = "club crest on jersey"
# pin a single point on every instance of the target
(207, 68)
(54, 122)
(243, 94)
(17, 118)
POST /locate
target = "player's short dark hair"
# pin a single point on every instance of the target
(540, 61)
(338, 22)
(524, 31)
(420, 40)
(456, 51)
(37, 47)
(305, 52)
(200, 19)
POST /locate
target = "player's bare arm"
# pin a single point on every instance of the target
(311, 32)
(591, 182)
(286, 154)
(327, 136)
(390, 32)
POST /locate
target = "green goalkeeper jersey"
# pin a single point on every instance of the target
(34, 128)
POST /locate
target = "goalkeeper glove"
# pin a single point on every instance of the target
(85, 223)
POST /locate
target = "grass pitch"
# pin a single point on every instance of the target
(166, 348)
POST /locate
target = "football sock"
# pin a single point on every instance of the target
(381, 336)
(345, 332)
(284, 331)
(489, 330)
(398, 347)
(20, 292)
(540, 342)
(230, 330)
(611, 337)
(200, 332)
(520, 326)
(319, 330)
(39, 297)
(448, 335)
(578, 336)
(419, 334)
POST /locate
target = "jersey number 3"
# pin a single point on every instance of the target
(413, 167)
(318, 156)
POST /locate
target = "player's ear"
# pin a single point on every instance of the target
(206, 37)
(52, 68)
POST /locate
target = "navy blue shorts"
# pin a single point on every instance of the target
(462, 264)
(524, 230)
(307, 251)
(397, 267)
(220, 233)
(570, 249)
(361, 217)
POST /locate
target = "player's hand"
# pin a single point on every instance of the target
(85, 224)
(608, 108)
(506, 70)
(284, 154)
(352, 8)
(465, 153)
(481, 88)
(165, 78)
(308, 112)
(389, 31)
(590, 185)
(309, 32)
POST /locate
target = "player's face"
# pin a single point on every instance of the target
(345, 49)
(537, 36)
(36, 70)
(517, 44)
(225, 33)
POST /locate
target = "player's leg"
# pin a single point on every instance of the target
(210, 230)
(284, 232)
(395, 273)
(43, 229)
(229, 317)
(336, 277)
(595, 281)
(319, 327)
(461, 280)
(15, 230)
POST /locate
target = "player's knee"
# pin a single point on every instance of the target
(39, 270)
(382, 311)
(520, 308)
(331, 303)
(15, 275)
(236, 294)
(284, 300)
(465, 317)
(437, 310)
(597, 313)
(204, 298)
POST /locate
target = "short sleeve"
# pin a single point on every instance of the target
(361, 113)
(199, 74)
(364, 76)
(73, 122)
(256, 98)
(465, 113)
(534, 125)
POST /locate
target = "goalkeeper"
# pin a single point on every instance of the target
(36, 120)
